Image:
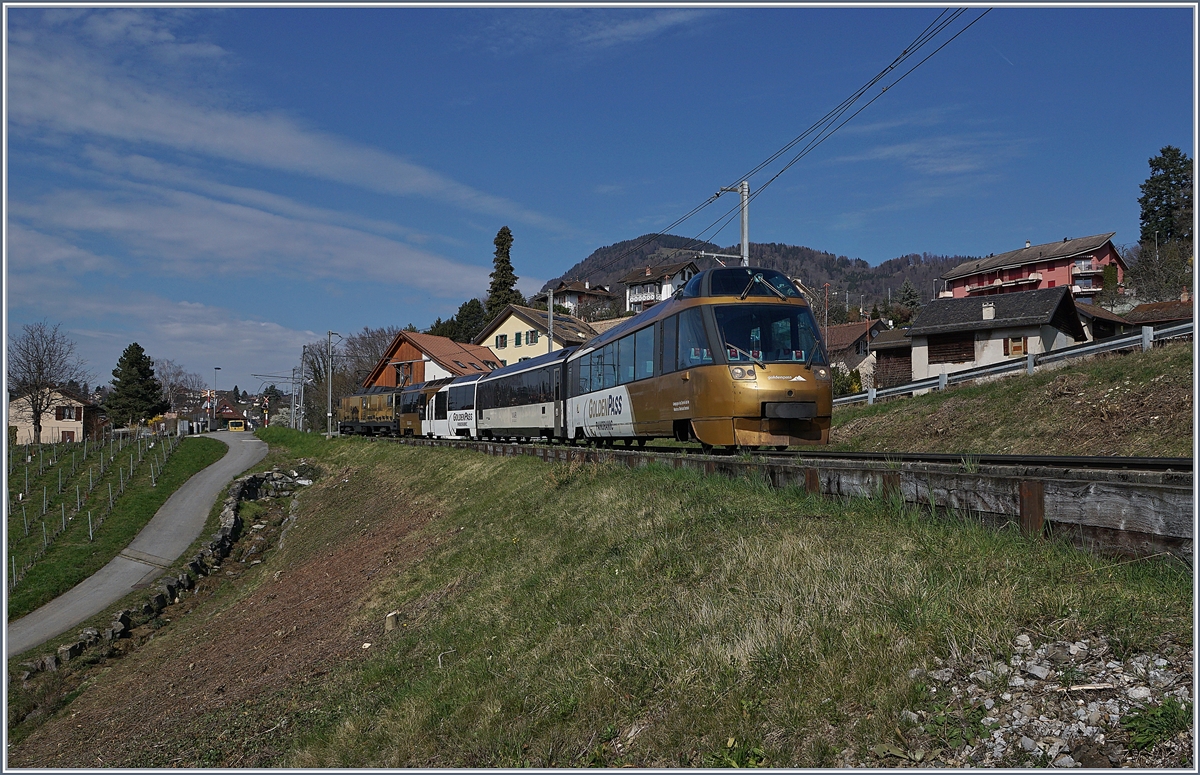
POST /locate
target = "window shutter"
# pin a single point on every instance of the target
(58, 413)
(1006, 346)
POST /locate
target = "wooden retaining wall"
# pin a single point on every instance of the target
(1130, 513)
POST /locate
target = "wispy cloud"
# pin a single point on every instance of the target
(591, 30)
(203, 235)
(191, 333)
(59, 87)
(941, 154)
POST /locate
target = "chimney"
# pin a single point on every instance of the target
(1026, 243)
(587, 284)
(989, 311)
(647, 271)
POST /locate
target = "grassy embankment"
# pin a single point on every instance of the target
(1137, 404)
(72, 557)
(570, 615)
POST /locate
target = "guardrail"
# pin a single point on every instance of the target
(1144, 339)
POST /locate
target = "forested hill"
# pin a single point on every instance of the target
(814, 268)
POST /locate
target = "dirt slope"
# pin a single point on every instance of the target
(213, 689)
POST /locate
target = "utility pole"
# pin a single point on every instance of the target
(214, 399)
(826, 312)
(329, 335)
(550, 322)
(744, 189)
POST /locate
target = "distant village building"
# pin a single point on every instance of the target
(71, 417)
(414, 357)
(893, 358)
(952, 335)
(646, 287)
(519, 333)
(577, 295)
(849, 346)
(1161, 314)
(1077, 264)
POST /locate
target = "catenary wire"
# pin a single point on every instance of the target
(931, 31)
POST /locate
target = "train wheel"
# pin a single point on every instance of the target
(628, 443)
(641, 443)
(781, 447)
(706, 449)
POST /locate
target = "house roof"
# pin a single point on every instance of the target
(442, 350)
(579, 288)
(895, 339)
(1048, 306)
(1100, 313)
(1160, 312)
(1031, 255)
(568, 329)
(844, 335)
(656, 273)
(600, 326)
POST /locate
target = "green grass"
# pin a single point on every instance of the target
(1156, 724)
(594, 615)
(1117, 404)
(72, 558)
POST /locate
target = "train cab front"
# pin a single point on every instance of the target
(774, 387)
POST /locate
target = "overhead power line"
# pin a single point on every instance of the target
(820, 131)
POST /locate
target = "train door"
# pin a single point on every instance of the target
(425, 411)
(441, 422)
(559, 415)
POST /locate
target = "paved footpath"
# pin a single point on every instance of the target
(175, 525)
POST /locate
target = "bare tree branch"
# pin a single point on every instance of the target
(40, 362)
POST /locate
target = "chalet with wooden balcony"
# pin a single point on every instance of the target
(646, 287)
(577, 295)
(1077, 264)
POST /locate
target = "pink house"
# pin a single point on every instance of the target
(1077, 263)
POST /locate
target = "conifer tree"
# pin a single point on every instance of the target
(136, 395)
(909, 296)
(503, 290)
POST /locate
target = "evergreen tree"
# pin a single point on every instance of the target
(136, 395)
(1166, 198)
(503, 290)
(447, 328)
(234, 395)
(875, 311)
(909, 296)
(471, 317)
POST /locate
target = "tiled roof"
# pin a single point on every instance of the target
(844, 335)
(1030, 255)
(600, 326)
(446, 351)
(1048, 306)
(895, 339)
(655, 273)
(568, 329)
(1096, 311)
(578, 287)
(1160, 312)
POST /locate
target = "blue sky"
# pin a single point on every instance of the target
(222, 185)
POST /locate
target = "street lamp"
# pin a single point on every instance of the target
(329, 335)
(214, 401)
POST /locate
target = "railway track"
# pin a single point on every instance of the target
(1135, 506)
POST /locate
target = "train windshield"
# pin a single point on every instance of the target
(769, 333)
(747, 281)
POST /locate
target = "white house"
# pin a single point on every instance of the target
(646, 287)
(577, 294)
(953, 335)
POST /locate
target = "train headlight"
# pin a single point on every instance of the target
(738, 372)
(821, 373)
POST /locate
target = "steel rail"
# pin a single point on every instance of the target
(1075, 462)
(1079, 462)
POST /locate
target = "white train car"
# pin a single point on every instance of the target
(523, 400)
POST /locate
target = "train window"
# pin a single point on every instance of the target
(461, 398)
(769, 333)
(669, 328)
(608, 365)
(408, 403)
(692, 289)
(625, 360)
(583, 368)
(734, 281)
(644, 347)
(693, 341)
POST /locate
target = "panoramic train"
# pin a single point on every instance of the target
(734, 359)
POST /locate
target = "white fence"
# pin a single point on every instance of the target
(1145, 339)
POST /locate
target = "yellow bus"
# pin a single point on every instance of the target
(237, 425)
